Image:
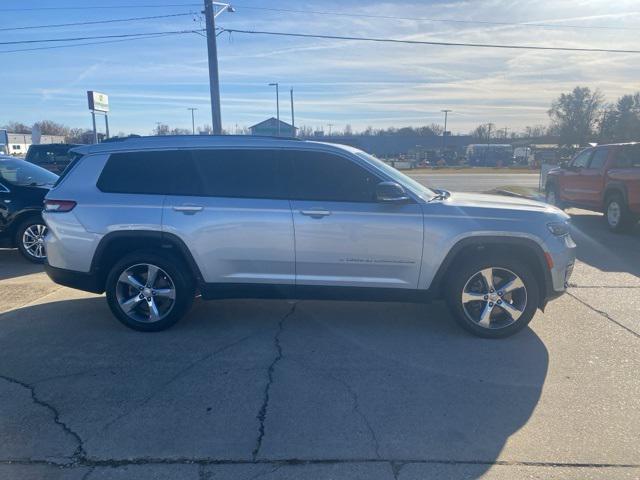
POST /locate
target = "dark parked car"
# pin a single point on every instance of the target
(605, 178)
(54, 157)
(22, 190)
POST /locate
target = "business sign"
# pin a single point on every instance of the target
(98, 102)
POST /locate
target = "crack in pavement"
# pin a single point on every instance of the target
(79, 452)
(396, 467)
(604, 314)
(262, 413)
(175, 377)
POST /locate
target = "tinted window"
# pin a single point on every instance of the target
(160, 172)
(322, 176)
(50, 154)
(599, 158)
(240, 173)
(628, 157)
(582, 160)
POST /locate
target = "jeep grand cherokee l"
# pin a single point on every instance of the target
(154, 220)
(605, 178)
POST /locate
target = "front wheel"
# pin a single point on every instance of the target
(493, 297)
(30, 239)
(149, 292)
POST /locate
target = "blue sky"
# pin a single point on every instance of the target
(337, 82)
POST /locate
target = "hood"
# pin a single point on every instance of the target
(480, 200)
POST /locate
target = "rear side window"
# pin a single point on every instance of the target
(156, 172)
(327, 177)
(628, 156)
(240, 173)
(599, 158)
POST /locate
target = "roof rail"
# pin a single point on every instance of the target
(122, 139)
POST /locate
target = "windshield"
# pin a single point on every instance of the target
(416, 187)
(22, 173)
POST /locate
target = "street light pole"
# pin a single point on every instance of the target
(444, 134)
(193, 121)
(211, 11)
(275, 84)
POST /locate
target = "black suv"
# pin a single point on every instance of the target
(54, 156)
(22, 190)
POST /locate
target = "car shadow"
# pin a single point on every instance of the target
(602, 249)
(346, 380)
(13, 265)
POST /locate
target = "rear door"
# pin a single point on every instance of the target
(626, 173)
(234, 217)
(343, 236)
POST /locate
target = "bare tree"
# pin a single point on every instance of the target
(574, 115)
(49, 127)
(16, 127)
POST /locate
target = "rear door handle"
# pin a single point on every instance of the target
(188, 209)
(316, 213)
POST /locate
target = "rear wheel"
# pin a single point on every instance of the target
(149, 292)
(30, 239)
(617, 215)
(493, 297)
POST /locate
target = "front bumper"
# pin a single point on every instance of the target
(88, 282)
(562, 251)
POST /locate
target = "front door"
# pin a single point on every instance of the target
(343, 236)
(235, 219)
(572, 182)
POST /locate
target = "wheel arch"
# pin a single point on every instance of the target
(20, 217)
(526, 249)
(613, 188)
(114, 245)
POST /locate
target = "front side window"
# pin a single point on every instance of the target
(599, 158)
(327, 177)
(148, 172)
(240, 173)
(582, 160)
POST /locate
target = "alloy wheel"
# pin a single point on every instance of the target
(33, 240)
(145, 293)
(494, 298)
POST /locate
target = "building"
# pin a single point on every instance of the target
(18, 143)
(269, 127)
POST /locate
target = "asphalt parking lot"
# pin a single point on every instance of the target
(284, 390)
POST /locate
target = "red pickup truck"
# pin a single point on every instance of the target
(605, 178)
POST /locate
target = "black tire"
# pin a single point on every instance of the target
(172, 272)
(552, 197)
(31, 223)
(526, 300)
(624, 220)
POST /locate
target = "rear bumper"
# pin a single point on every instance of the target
(79, 280)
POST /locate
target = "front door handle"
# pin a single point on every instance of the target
(316, 213)
(188, 209)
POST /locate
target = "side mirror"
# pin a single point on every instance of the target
(391, 192)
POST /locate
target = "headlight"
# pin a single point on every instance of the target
(558, 228)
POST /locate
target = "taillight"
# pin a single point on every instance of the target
(59, 205)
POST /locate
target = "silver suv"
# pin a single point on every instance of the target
(152, 221)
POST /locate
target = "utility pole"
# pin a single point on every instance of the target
(444, 134)
(275, 84)
(329, 125)
(293, 118)
(193, 120)
(211, 11)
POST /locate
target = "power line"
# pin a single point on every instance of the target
(101, 7)
(344, 14)
(95, 22)
(73, 39)
(428, 19)
(142, 37)
(425, 42)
